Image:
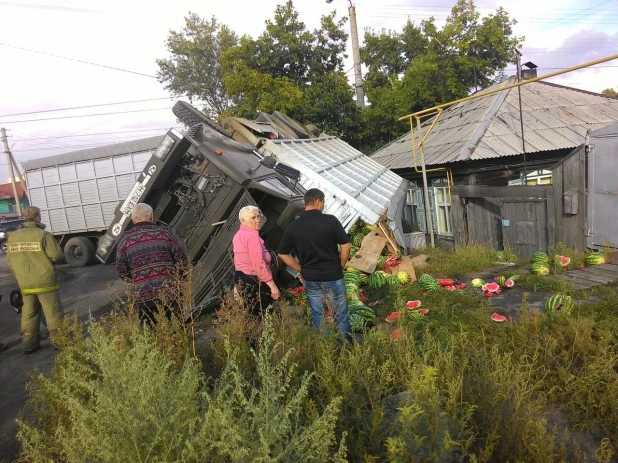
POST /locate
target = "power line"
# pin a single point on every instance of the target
(49, 7)
(85, 115)
(84, 107)
(77, 60)
(89, 134)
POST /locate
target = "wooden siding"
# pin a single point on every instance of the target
(570, 173)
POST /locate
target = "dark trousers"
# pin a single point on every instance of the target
(256, 293)
(147, 310)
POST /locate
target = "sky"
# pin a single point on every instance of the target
(130, 35)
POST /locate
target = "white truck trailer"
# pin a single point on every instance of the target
(78, 192)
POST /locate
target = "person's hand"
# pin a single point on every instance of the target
(274, 293)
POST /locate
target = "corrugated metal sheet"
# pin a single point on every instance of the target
(133, 146)
(354, 184)
(555, 117)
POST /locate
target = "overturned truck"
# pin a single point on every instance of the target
(198, 181)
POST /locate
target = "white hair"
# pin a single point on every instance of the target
(246, 211)
(141, 212)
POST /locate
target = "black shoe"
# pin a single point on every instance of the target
(32, 349)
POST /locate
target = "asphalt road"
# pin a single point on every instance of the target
(86, 290)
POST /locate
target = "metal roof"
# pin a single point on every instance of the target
(356, 181)
(555, 117)
(134, 146)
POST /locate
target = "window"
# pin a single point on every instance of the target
(443, 210)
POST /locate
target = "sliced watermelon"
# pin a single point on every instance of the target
(509, 283)
(446, 281)
(492, 287)
(564, 261)
(423, 311)
(413, 304)
(497, 317)
(489, 294)
(395, 335)
(462, 286)
(392, 317)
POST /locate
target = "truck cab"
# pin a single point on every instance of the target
(196, 183)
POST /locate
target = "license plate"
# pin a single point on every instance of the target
(134, 196)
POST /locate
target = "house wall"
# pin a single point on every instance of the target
(571, 173)
(7, 206)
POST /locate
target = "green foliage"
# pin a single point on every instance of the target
(610, 91)
(194, 68)
(465, 259)
(422, 66)
(117, 396)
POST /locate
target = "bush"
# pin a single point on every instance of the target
(117, 396)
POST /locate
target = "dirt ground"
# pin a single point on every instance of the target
(87, 290)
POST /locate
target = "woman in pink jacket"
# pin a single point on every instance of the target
(252, 262)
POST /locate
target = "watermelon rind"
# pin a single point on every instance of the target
(595, 259)
(393, 281)
(377, 280)
(509, 283)
(413, 304)
(540, 258)
(403, 277)
(477, 283)
(492, 287)
(380, 262)
(563, 261)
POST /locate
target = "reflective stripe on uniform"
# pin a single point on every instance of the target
(47, 289)
(28, 246)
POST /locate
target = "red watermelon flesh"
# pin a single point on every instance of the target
(392, 317)
(492, 287)
(413, 304)
(564, 261)
(423, 311)
(497, 317)
(509, 283)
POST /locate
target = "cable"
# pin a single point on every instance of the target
(85, 115)
(78, 60)
(84, 107)
(49, 7)
(91, 134)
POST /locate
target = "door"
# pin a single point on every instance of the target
(524, 226)
(603, 192)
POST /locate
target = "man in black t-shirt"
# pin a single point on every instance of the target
(315, 236)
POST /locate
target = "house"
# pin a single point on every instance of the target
(480, 142)
(8, 206)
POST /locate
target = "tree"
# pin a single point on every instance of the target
(610, 92)
(194, 69)
(423, 66)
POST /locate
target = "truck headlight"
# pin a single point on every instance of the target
(1, 234)
(164, 148)
(105, 243)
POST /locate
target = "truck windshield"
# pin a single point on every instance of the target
(277, 184)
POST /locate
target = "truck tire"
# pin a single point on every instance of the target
(79, 252)
(191, 116)
(4, 246)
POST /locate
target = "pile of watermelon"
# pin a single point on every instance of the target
(540, 264)
(411, 309)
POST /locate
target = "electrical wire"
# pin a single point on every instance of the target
(84, 115)
(77, 60)
(84, 107)
(49, 7)
(90, 134)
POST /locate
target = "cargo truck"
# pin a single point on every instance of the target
(196, 183)
(78, 192)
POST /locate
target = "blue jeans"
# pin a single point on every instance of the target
(317, 294)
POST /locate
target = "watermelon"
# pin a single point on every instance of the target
(423, 311)
(357, 322)
(393, 281)
(446, 281)
(509, 283)
(377, 280)
(399, 254)
(540, 258)
(353, 251)
(413, 304)
(429, 283)
(491, 287)
(477, 283)
(559, 303)
(403, 277)
(563, 261)
(497, 317)
(352, 278)
(380, 262)
(501, 280)
(392, 317)
(357, 240)
(595, 258)
(364, 278)
(539, 269)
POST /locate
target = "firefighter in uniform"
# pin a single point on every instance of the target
(31, 255)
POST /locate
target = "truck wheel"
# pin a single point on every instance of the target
(5, 246)
(191, 116)
(79, 252)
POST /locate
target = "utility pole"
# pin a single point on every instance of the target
(521, 116)
(9, 160)
(358, 77)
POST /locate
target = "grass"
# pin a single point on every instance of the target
(454, 386)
